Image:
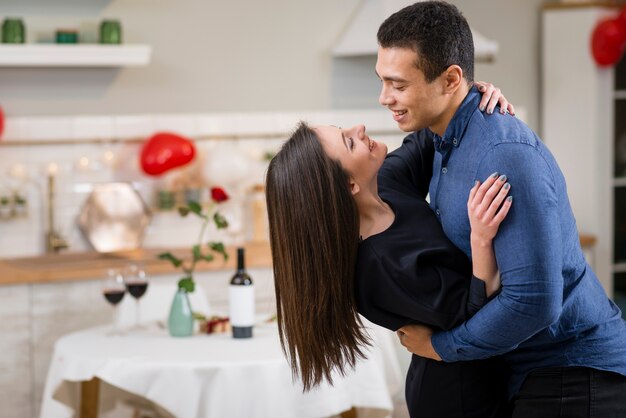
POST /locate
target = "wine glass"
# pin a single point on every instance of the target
(136, 283)
(113, 289)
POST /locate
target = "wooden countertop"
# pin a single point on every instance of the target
(93, 265)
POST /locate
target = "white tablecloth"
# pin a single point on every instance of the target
(212, 375)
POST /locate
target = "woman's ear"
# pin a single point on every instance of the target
(354, 187)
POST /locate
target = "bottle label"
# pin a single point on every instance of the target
(241, 306)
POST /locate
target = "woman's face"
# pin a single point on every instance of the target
(359, 155)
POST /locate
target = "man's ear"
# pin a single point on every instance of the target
(453, 78)
(354, 187)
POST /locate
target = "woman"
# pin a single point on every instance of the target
(347, 238)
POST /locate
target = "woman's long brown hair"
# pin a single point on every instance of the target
(314, 233)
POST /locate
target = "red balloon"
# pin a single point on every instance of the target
(1, 121)
(622, 15)
(608, 41)
(164, 151)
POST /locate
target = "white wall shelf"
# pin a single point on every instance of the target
(74, 55)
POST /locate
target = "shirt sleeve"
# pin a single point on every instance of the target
(529, 253)
(412, 163)
(426, 285)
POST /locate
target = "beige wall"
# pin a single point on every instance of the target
(208, 55)
(243, 55)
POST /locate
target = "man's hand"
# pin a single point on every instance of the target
(416, 339)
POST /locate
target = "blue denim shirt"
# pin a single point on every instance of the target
(552, 311)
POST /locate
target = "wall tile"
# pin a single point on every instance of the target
(180, 124)
(73, 183)
(16, 380)
(47, 128)
(92, 127)
(132, 126)
(59, 309)
(13, 128)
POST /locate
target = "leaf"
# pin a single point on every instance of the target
(183, 211)
(218, 247)
(208, 257)
(220, 221)
(197, 252)
(198, 316)
(195, 207)
(171, 258)
(187, 284)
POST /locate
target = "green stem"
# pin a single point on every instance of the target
(206, 219)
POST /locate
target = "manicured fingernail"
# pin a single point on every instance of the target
(489, 111)
(482, 108)
(476, 183)
(494, 175)
(481, 88)
(503, 111)
(509, 199)
(506, 186)
(502, 178)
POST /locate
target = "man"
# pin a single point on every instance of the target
(563, 338)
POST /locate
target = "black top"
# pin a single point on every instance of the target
(411, 272)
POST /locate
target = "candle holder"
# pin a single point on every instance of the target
(13, 31)
(110, 32)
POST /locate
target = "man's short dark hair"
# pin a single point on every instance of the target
(437, 32)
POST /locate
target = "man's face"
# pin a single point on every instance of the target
(415, 103)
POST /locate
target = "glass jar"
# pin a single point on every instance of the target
(110, 32)
(66, 36)
(13, 31)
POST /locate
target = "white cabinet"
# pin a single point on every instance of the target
(579, 106)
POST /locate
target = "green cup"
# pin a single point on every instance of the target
(13, 31)
(110, 32)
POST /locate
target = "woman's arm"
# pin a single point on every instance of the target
(487, 206)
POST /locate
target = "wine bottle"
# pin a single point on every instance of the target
(241, 292)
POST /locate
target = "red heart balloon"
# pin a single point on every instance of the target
(1, 121)
(622, 15)
(608, 41)
(164, 151)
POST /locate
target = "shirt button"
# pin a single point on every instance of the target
(438, 212)
(444, 170)
(455, 141)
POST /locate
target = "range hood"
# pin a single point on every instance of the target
(359, 39)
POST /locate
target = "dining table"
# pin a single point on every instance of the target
(208, 375)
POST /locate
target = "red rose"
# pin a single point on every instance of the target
(218, 194)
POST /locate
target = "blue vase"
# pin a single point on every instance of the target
(180, 321)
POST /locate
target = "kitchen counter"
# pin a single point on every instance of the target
(93, 265)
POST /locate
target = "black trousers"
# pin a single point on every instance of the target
(464, 389)
(571, 392)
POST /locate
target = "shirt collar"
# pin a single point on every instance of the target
(456, 128)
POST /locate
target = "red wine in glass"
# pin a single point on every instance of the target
(114, 296)
(113, 289)
(137, 288)
(137, 284)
